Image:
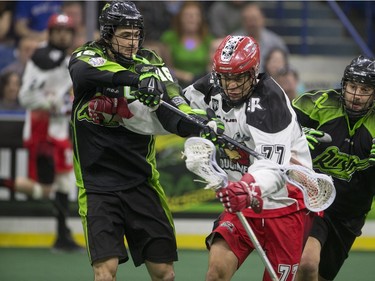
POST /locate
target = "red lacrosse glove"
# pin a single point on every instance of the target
(240, 195)
(102, 109)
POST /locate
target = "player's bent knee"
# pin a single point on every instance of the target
(105, 270)
(213, 274)
(161, 271)
(308, 266)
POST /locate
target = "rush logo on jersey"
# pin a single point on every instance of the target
(338, 164)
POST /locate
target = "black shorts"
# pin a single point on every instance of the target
(140, 214)
(336, 237)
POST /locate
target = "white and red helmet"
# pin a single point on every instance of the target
(237, 55)
(60, 20)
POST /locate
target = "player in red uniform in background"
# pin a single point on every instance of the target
(257, 113)
(45, 93)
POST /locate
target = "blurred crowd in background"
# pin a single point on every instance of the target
(184, 33)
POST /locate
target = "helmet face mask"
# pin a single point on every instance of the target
(358, 87)
(61, 31)
(235, 68)
(236, 87)
(358, 98)
(125, 41)
(118, 16)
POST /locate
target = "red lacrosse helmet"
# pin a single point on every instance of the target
(237, 55)
(60, 20)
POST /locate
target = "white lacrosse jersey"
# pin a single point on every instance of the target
(265, 123)
(46, 85)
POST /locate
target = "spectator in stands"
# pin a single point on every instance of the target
(276, 60)
(31, 17)
(5, 20)
(288, 79)
(253, 24)
(10, 84)
(6, 40)
(24, 51)
(188, 42)
(224, 17)
(157, 17)
(74, 9)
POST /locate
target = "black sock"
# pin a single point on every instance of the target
(8, 183)
(62, 210)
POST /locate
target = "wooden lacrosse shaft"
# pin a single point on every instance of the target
(223, 136)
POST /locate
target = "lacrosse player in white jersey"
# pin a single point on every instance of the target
(256, 113)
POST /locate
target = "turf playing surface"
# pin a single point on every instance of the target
(34, 264)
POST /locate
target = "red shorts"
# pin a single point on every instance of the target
(60, 151)
(281, 238)
(40, 143)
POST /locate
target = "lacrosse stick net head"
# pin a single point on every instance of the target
(318, 189)
(200, 159)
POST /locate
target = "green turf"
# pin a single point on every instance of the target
(22, 264)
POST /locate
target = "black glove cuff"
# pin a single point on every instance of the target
(125, 78)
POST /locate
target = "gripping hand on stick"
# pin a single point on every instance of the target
(214, 128)
(315, 137)
(150, 87)
(240, 195)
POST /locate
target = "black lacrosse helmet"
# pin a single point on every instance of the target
(360, 70)
(120, 13)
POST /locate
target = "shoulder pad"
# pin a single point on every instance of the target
(151, 56)
(319, 98)
(90, 49)
(267, 108)
(48, 58)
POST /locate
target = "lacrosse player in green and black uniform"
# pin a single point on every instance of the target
(348, 116)
(119, 189)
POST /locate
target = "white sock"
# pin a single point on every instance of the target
(37, 191)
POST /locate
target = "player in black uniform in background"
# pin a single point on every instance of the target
(348, 115)
(119, 189)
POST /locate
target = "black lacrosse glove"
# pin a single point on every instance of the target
(315, 137)
(149, 86)
(372, 153)
(213, 129)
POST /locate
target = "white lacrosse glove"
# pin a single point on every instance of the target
(241, 195)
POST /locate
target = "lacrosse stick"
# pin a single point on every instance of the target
(202, 125)
(318, 189)
(223, 136)
(200, 159)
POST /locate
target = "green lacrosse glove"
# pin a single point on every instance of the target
(150, 87)
(372, 153)
(214, 128)
(315, 137)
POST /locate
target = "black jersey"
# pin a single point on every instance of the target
(111, 157)
(346, 157)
